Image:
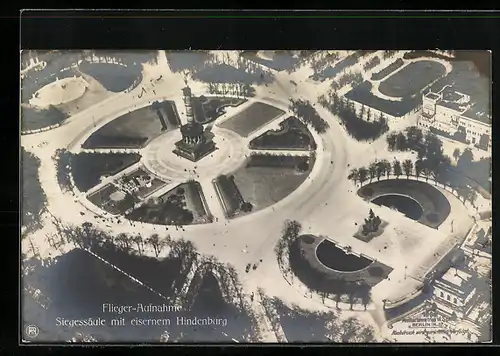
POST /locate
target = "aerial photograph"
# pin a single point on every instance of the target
(312, 196)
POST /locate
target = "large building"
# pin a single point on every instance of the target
(455, 115)
(454, 292)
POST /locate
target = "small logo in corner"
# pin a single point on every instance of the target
(32, 331)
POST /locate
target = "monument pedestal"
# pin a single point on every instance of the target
(194, 152)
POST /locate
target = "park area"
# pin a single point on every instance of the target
(324, 266)
(33, 118)
(252, 118)
(134, 129)
(423, 202)
(292, 135)
(363, 95)
(112, 199)
(412, 79)
(114, 77)
(266, 179)
(88, 169)
(182, 205)
(141, 183)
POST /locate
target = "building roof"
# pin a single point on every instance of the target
(478, 112)
(456, 277)
(457, 280)
(432, 96)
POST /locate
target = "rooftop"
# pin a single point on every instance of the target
(478, 112)
(457, 279)
(432, 96)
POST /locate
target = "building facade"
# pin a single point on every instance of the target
(454, 115)
(454, 292)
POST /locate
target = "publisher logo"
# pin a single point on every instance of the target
(32, 331)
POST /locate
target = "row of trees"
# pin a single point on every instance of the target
(232, 88)
(373, 62)
(408, 167)
(352, 78)
(285, 255)
(62, 160)
(290, 232)
(34, 199)
(87, 236)
(355, 125)
(388, 54)
(306, 113)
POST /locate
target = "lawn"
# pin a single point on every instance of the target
(33, 196)
(362, 94)
(293, 134)
(35, 119)
(113, 77)
(252, 118)
(264, 186)
(388, 70)
(88, 168)
(134, 129)
(412, 79)
(102, 198)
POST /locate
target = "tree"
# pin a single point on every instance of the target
(137, 239)
(155, 242)
(380, 170)
(391, 141)
(414, 136)
(387, 167)
(408, 167)
(372, 170)
(426, 171)
(291, 231)
(362, 175)
(466, 159)
(396, 168)
(124, 241)
(472, 196)
(463, 192)
(456, 154)
(418, 168)
(401, 142)
(353, 175)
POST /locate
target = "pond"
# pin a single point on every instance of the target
(401, 203)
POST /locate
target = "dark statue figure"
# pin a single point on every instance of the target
(371, 224)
